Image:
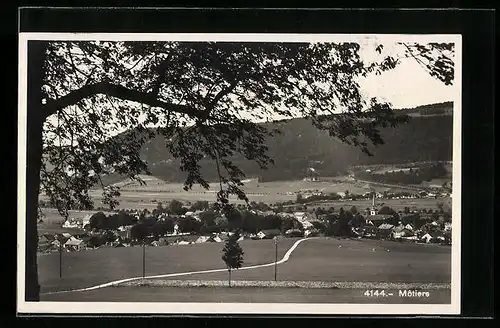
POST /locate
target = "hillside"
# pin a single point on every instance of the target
(427, 137)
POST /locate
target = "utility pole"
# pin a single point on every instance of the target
(143, 259)
(60, 258)
(276, 259)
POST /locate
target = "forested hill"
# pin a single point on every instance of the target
(427, 137)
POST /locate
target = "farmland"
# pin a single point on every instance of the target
(148, 196)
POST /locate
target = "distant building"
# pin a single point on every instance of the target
(268, 234)
(311, 174)
(385, 230)
(74, 244)
(373, 209)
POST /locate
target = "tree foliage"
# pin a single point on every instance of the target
(194, 95)
(232, 254)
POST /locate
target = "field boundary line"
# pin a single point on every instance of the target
(285, 258)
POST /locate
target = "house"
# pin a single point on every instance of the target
(304, 219)
(294, 233)
(268, 234)
(369, 231)
(311, 233)
(431, 237)
(201, 239)
(401, 232)
(285, 215)
(377, 219)
(45, 242)
(125, 228)
(384, 230)
(195, 215)
(208, 239)
(46, 238)
(311, 174)
(71, 223)
(74, 244)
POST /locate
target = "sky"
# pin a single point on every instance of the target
(406, 86)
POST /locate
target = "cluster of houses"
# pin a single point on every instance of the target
(429, 233)
(79, 223)
(374, 225)
(66, 242)
(62, 242)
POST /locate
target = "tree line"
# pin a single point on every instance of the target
(411, 176)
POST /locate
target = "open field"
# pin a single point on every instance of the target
(242, 295)
(313, 260)
(147, 197)
(354, 260)
(144, 201)
(269, 192)
(93, 267)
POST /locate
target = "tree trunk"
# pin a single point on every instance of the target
(35, 119)
(229, 278)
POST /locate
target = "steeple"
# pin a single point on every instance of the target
(373, 210)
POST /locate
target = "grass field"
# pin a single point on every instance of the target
(93, 267)
(242, 295)
(317, 259)
(269, 192)
(355, 260)
(147, 197)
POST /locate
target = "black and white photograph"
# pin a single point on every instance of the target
(239, 173)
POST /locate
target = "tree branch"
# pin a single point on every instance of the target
(116, 91)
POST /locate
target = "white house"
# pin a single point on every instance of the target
(74, 244)
(427, 238)
(267, 234)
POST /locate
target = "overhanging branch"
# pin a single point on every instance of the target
(117, 91)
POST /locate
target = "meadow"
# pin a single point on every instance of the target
(156, 190)
(325, 259)
(93, 267)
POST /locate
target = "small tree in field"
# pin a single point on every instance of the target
(232, 254)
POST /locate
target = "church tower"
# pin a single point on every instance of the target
(373, 210)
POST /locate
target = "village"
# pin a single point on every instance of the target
(184, 224)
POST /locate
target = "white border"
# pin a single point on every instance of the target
(241, 308)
